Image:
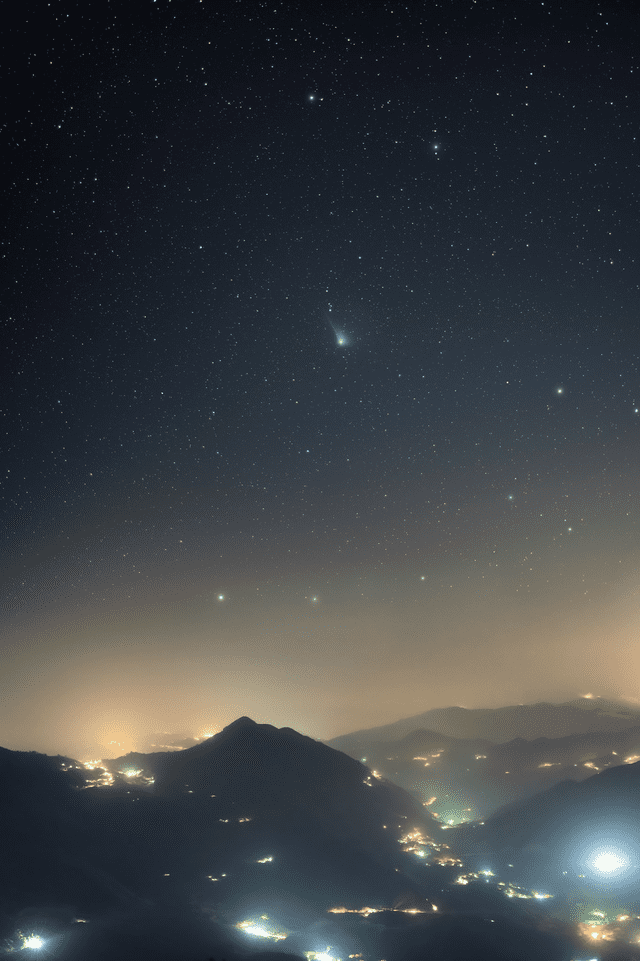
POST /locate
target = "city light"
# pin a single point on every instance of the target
(103, 779)
(257, 928)
(607, 862)
(607, 857)
(365, 912)
(32, 943)
(320, 955)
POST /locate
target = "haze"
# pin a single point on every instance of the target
(320, 395)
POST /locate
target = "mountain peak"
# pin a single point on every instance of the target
(240, 724)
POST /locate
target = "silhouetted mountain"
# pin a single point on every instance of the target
(252, 821)
(502, 724)
(248, 837)
(522, 823)
(582, 837)
(468, 779)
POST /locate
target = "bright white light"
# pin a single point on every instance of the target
(608, 861)
(320, 955)
(256, 929)
(33, 942)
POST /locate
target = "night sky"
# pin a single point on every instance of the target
(320, 386)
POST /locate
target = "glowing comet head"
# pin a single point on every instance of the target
(342, 339)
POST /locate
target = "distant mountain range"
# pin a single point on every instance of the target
(468, 778)
(530, 721)
(255, 839)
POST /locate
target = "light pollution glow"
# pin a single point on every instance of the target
(121, 672)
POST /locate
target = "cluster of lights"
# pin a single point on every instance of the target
(104, 779)
(258, 929)
(623, 928)
(365, 912)
(138, 776)
(427, 760)
(32, 942)
(321, 955)
(325, 956)
(508, 889)
(415, 842)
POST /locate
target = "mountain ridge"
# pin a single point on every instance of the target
(504, 723)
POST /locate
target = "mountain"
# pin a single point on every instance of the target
(468, 779)
(257, 838)
(253, 821)
(597, 805)
(578, 841)
(529, 721)
(258, 771)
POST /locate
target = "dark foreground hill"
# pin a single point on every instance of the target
(580, 841)
(246, 842)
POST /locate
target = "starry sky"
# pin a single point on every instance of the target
(321, 343)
